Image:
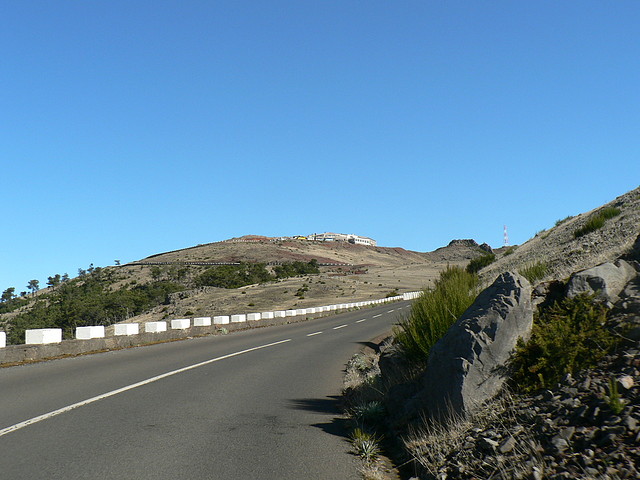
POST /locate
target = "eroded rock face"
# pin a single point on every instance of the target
(466, 366)
(606, 280)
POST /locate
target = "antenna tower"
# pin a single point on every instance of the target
(506, 237)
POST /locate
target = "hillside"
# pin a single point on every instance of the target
(169, 285)
(562, 252)
(357, 272)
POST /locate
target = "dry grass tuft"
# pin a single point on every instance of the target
(438, 447)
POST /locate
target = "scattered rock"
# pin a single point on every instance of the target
(606, 280)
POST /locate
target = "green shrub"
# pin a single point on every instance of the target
(435, 311)
(566, 338)
(366, 445)
(509, 251)
(562, 220)
(616, 404)
(596, 221)
(534, 271)
(478, 263)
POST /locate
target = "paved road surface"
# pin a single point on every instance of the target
(259, 404)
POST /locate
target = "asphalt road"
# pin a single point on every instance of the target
(258, 404)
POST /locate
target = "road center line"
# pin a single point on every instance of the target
(88, 401)
(360, 321)
(391, 311)
(312, 334)
(376, 316)
(339, 327)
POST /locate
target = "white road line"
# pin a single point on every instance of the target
(360, 321)
(376, 316)
(88, 401)
(312, 334)
(341, 326)
(391, 311)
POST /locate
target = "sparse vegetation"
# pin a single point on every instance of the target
(534, 272)
(566, 338)
(562, 220)
(597, 221)
(479, 263)
(435, 311)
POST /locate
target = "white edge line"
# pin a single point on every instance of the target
(376, 316)
(312, 334)
(88, 401)
(338, 327)
(360, 321)
(391, 311)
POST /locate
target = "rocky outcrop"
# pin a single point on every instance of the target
(606, 280)
(465, 367)
(569, 432)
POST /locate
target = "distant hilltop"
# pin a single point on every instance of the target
(314, 237)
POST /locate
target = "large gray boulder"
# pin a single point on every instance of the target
(606, 280)
(467, 366)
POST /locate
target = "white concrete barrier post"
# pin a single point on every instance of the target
(290, 313)
(267, 315)
(221, 319)
(180, 324)
(155, 327)
(126, 329)
(3, 339)
(40, 336)
(202, 322)
(86, 333)
(279, 314)
(252, 317)
(301, 311)
(238, 318)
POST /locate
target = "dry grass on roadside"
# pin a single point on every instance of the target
(437, 447)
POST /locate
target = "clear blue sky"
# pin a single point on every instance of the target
(129, 128)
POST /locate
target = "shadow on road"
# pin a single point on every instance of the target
(328, 406)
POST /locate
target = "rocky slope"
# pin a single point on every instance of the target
(564, 254)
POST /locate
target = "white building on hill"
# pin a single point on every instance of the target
(342, 237)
